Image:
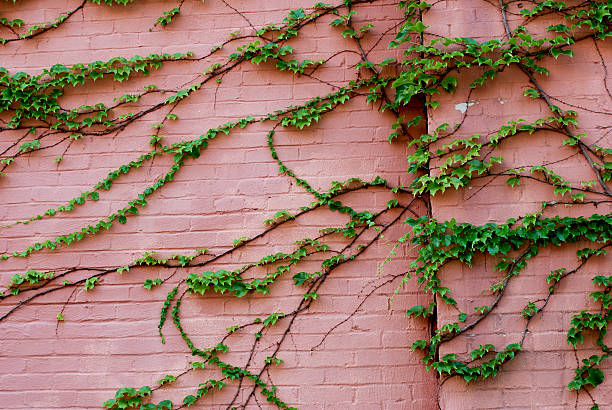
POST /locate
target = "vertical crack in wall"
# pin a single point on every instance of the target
(433, 320)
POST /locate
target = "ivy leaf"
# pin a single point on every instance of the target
(150, 283)
(297, 14)
(415, 311)
(449, 83)
(90, 283)
(189, 400)
(300, 278)
(595, 377)
(513, 181)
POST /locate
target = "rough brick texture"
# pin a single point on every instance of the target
(538, 377)
(109, 338)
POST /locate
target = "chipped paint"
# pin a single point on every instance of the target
(463, 106)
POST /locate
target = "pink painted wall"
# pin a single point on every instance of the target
(538, 376)
(109, 338)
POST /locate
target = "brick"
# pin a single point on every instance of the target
(109, 338)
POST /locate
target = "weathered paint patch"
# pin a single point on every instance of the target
(463, 106)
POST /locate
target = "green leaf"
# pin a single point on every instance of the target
(150, 283)
(296, 14)
(90, 283)
(449, 83)
(595, 377)
(300, 278)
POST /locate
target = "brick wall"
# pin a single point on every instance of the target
(351, 348)
(538, 376)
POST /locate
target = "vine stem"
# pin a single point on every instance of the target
(546, 98)
(449, 336)
(305, 303)
(68, 14)
(551, 291)
(324, 198)
(502, 7)
(581, 144)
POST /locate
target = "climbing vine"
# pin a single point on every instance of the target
(444, 159)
